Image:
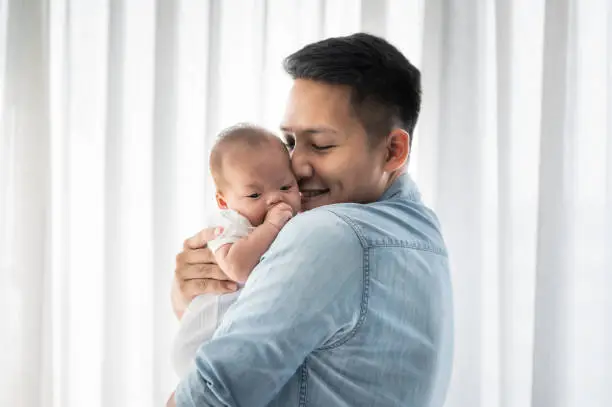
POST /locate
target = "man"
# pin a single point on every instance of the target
(351, 305)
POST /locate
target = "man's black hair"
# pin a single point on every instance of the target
(386, 87)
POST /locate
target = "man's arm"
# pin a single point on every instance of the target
(306, 293)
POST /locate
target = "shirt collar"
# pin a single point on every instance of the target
(403, 186)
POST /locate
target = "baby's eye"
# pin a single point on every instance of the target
(285, 187)
(254, 196)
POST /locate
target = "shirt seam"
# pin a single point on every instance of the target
(363, 309)
(413, 244)
(366, 245)
(420, 245)
(303, 396)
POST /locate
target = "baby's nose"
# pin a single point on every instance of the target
(274, 198)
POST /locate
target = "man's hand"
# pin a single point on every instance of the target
(279, 214)
(197, 272)
(171, 402)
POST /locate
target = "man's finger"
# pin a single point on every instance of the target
(195, 287)
(199, 240)
(198, 256)
(200, 271)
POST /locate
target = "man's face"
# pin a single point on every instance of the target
(331, 156)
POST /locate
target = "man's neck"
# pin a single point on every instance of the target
(395, 175)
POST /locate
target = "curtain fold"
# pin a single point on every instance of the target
(108, 109)
(552, 365)
(457, 186)
(25, 295)
(165, 169)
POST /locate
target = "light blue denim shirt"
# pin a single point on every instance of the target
(351, 306)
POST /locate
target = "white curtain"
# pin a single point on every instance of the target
(107, 112)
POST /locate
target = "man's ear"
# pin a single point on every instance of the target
(398, 150)
(221, 203)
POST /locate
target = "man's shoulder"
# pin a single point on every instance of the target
(321, 224)
(318, 238)
(396, 222)
(384, 223)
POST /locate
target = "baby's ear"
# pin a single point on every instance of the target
(221, 201)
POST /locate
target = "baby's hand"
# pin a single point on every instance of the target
(279, 214)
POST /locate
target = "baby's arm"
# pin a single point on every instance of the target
(238, 259)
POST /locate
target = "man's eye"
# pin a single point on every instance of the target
(254, 196)
(285, 187)
(322, 148)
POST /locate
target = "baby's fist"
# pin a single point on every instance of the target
(279, 214)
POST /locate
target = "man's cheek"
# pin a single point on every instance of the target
(340, 164)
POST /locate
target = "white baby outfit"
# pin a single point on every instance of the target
(205, 312)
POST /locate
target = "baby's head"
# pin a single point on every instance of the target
(252, 172)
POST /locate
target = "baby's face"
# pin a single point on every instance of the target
(256, 180)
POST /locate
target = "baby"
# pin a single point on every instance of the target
(257, 194)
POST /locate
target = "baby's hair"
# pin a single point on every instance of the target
(244, 134)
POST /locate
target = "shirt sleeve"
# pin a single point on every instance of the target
(305, 294)
(199, 322)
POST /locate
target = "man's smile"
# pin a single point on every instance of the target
(311, 193)
(310, 196)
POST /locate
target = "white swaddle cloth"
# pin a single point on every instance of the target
(205, 313)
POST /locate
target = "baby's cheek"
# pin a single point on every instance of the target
(259, 217)
(297, 203)
(254, 212)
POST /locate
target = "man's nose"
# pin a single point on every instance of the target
(300, 164)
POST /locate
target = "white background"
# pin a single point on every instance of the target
(108, 109)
